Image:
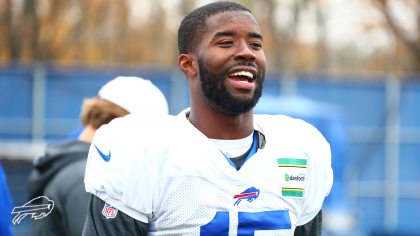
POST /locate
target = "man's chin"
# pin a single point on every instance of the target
(238, 106)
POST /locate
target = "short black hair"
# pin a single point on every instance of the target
(193, 26)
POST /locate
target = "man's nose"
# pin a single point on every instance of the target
(245, 53)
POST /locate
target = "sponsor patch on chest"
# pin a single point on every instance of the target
(292, 174)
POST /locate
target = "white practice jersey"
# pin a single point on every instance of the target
(161, 170)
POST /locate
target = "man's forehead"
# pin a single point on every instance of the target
(221, 19)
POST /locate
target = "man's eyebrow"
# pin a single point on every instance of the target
(256, 35)
(232, 32)
(225, 33)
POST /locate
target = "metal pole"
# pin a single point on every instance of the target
(38, 102)
(392, 150)
(288, 84)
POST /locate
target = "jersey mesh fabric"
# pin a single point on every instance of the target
(193, 202)
(180, 182)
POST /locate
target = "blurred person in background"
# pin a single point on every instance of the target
(6, 206)
(59, 174)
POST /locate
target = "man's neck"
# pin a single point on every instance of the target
(216, 124)
(87, 134)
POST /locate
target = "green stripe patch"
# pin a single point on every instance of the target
(292, 192)
(291, 162)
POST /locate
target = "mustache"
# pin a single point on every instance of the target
(242, 64)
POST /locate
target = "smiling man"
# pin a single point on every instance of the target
(216, 168)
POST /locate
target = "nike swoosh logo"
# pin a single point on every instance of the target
(105, 157)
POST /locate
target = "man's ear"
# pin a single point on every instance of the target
(186, 65)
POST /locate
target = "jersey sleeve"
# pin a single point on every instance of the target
(117, 172)
(97, 224)
(312, 228)
(319, 173)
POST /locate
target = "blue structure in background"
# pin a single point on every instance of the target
(360, 120)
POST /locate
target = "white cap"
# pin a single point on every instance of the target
(134, 94)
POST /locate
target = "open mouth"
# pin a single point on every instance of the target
(242, 76)
(242, 79)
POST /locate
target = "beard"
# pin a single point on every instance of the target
(215, 91)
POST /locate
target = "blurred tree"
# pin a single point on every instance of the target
(187, 6)
(412, 44)
(145, 31)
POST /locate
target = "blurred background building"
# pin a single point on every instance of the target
(351, 68)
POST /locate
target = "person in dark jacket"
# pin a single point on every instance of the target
(59, 174)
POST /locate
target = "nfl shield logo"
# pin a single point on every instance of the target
(109, 211)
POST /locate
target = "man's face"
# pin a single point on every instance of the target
(231, 62)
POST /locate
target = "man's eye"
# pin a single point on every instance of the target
(226, 43)
(257, 45)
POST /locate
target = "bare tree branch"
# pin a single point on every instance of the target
(321, 44)
(413, 47)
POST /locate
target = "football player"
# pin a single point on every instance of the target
(216, 168)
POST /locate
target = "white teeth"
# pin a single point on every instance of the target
(243, 73)
(243, 82)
